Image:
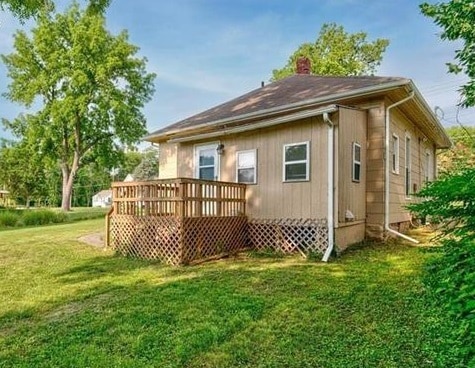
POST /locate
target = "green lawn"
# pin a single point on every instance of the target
(68, 304)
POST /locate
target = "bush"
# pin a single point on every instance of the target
(450, 202)
(9, 218)
(40, 217)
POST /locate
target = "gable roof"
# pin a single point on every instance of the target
(294, 93)
(103, 193)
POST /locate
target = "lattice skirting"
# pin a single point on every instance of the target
(289, 235)
(176, 241)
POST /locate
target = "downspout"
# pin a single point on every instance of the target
(386, 179)
(330, 185)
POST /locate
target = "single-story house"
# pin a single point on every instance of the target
(102, 198)
(350, 150)
(4, 197)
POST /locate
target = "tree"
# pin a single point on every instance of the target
(92, 87)
(21, 171)
(147, 169)
(28, 8)
(456, 17)
(461, 154)
(336, 52)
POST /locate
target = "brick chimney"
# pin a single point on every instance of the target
(303, 65)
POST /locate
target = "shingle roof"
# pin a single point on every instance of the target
(292, 90)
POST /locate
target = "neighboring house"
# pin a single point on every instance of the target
(4, 197)
(102, 199)
(351, 150)
(129, 178)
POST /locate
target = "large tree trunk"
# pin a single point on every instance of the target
(68, 179)
(67, 189)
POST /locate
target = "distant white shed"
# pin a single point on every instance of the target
(102, 199)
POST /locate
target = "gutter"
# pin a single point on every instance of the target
(386, 171)
(288, 108)
(261, 124)
(330, 185)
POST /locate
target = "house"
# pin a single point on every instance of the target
(4, 197)
(348, 151)
(129, 177)
(102, 198)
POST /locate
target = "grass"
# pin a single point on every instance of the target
(67, 304)
(10, 218)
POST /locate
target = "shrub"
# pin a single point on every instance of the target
(40, 217)
(450, 202)
(9, 218)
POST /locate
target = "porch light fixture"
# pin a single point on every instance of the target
(220, 149)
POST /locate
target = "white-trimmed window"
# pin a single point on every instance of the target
(296, 161)
(429, 167)
(356, 159)
(407, 166)
(246, 166)
(395, 154)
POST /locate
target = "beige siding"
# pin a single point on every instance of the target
(167, 161)
(271, 197)
(351, 194)
(375, 166)
(402, 127)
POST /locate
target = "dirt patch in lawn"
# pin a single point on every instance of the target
(94, 239)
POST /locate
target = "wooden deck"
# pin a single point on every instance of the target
(177, 220)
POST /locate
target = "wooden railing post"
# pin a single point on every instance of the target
(107, 238)
(218, 200)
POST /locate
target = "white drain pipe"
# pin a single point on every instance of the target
(386, 172)
(330, 184)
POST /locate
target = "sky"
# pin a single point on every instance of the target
(206, 52)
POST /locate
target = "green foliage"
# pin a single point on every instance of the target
(8, 218)
(92, 87)
(37, 217)
(336, 52)
(41, 217)
(22, 170)
(147, 169)
(456, 17)
(450, 202)
(26, 8)
(29, 8)
(461, 154)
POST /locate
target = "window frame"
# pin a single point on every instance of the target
(407, 166)
(196, 162)
(254, 151)
(306, 161)
(355, 162)
(395, 154)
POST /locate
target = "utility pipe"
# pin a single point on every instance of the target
(386, 171)
(330, 185)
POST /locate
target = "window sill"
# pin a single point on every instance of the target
(296, 181)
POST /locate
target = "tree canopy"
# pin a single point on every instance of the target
(28, 8)
(337, 52)
(456, 17)
(91, 86)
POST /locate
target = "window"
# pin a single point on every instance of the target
(246, 166)
(356, 171)
(395, 154)
(296, 161)
(429, 167)
(206, 162)
(408, 166)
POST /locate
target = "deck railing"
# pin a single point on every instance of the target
(181, 197)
